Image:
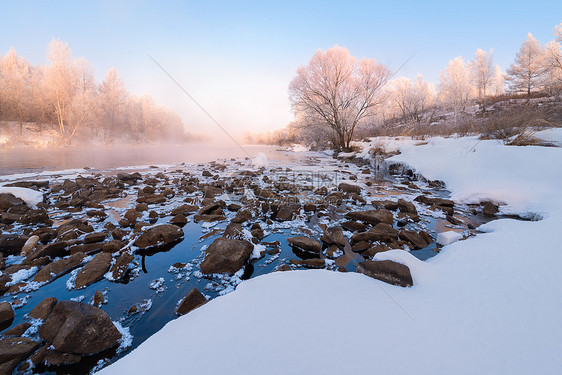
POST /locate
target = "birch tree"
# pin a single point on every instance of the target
(528, 69)
(455, 85)
(482, 70)
(15, 87)
(112, 96)
(338, 91)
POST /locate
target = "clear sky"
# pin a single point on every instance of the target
(238, 57)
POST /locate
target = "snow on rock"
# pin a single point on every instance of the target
(29, 196)
(448, 237)
(488, 304)
(260, 161)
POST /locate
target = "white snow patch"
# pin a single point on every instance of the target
(29, 196)
(260, 161)
(21, 275)
(126, 340)
(448, 237)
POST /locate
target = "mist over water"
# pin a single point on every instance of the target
(22, 160)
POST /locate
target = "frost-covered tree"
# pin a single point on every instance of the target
(15, 87)
(83, 104)
(482, 70)
(338, 91)
(498, 87)
(455, 87)
(112, 99)
(411, 98)
(60, 82)
(553, 60)
(526, 73)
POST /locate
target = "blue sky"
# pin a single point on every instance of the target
(238, 57)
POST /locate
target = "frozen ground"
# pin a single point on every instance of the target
(488, 304)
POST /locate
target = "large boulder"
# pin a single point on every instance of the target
(372, 217)
(78, 328)
(305, 243)
(43, 308)
(6, 312)
(226, 255)
(94, 270)
(193, 300)
(159, 235)
(387, 271)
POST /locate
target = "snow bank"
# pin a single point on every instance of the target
(29, 196)
(260, 161)
(448, 237)
(553, 135)
(490, 304)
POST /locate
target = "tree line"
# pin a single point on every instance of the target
(63, 95)
(336, 93)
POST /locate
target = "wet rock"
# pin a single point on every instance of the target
(141, 207)
(43, 308)
(210, 208)
(159, 235)
(372, 217)
(95, 237)
(118, 234)
(132, 216)
(94, 270)
(184, 209)
(211, 192)
(112, 246)
(371, 251)
(6, 312)
(45, 234)
(193, 300)
(283, 268)
(305, 243)
(121, 265)
(11, 244)
(309, 263)
(151, 199)
(69, 320)
(387, 271)
(206, 173)
(453, 220)
(226, 255)
(59, 268)
(360, 246)
(179, 220)
(234, 231)
(349, 188)
(334, 236)
(440, 202)
(386, 204)
(29, 245)
(416, 239)
(89, 249)
(35, 185)
(130, 178)
(333, 252)
(380, 232)
(13, 350)
(407, 207)
(8, 201)
(309, 207)
(55, 358)
(99, 299)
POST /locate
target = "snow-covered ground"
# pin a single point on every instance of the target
(489, 304)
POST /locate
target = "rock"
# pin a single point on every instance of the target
(386, 204)
(17, 330)
(8, 201)
(387, 271)
(94, 270)
(407, 207)
(95, 237)
(151, 199)
(333, 252)
(235, 231)
(29, 245)
(43, 308)
(54, 250)
(372, 217)
(69, 321)
(208, 218)
(184, 209)
(453, 220)
(489, 209)
(112, 246)
(334, 236)
(287, 212)
(11, 244)
(6, 312)
(414, 238)
(55, 358)
(370, 252)
(132, 215)
(283, 267)
(141, 207)
(305, 243)
(309, 263)
(130, 178)
(242, 216)
(73, 229)
(99, 299)
(354, 226)
(210, 208)
(193, 300)
(89, 249)
(119, 269)
(360, 246)
(434, 201)
(349, 188)
(226, 255)
(159, 235)
(59, 268)
(13, 350)
(180, 220)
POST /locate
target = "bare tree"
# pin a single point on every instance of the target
(482, 75)
(338, 90)
(113, 96)
(526, 73)
(412, 99)
(455, 86)
(553, 60)
(60, 82)
(15, 87)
